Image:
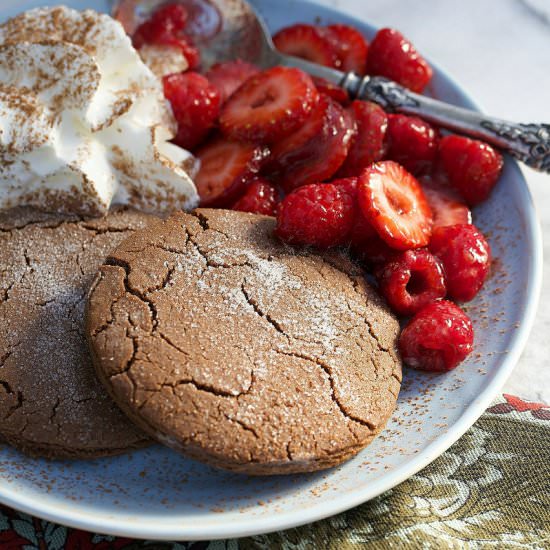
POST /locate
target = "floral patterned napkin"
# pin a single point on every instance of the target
(491, 489)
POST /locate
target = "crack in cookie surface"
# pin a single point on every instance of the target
(243, 352)
(56, 406)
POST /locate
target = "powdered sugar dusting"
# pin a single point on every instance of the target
(54, 399)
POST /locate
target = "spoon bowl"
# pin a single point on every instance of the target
(242, 34)
(223, 30)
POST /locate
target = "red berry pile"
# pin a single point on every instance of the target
(389, 187)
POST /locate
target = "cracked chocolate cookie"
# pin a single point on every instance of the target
(223, 343)
(51, 403)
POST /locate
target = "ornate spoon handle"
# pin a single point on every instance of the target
(529, 143)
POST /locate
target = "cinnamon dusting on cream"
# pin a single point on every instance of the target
(83, 121)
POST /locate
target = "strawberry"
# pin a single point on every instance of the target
(195, 104)
(392, 200)
(364, 241)
(473, 167)
(228, 77)
(269, 106)
(351, 48)
(448, 208)
(260, 197)
(393, 56)
(166, 28)
(188, 50)
(226, 168)
(332, 90)
(308, 42)
(317, 150)
(310, 128)
(165, 24)
(203, 18)
(369, 144)
(412, 142)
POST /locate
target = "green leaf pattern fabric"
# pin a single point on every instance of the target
(490, 490)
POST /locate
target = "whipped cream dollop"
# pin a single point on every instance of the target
(83, 121)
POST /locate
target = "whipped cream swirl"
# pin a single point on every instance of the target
(83, 121)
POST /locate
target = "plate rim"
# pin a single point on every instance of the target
(72, 516)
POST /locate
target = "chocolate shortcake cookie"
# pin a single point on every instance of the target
(225, 344)
(51, 403)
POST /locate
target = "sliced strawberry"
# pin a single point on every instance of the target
(351, 48)
(393, 202)
(311, 127)
(447, 206)
(166, 27)
(308, 42)
(165, 23)
(203, 17)
(317, 150)
(228, 77)
(269, 106)
(225, 169)
(362, 230)
(364, 241)
(369, 144)
(332, 90)
(124, 11)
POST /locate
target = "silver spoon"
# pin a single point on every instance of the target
(243, 34)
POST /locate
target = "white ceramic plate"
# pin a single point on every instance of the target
(157, 494)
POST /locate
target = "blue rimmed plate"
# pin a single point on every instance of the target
(157, 494)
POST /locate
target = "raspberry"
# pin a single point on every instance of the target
(393, 56)
(196, 105)
(372, 251)
(318, 214)
(411, 281)
(412, 143)
(473, 167)
(369, 144)
(466, 258)
(364, 242)
(260, 197)
(437, 338)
